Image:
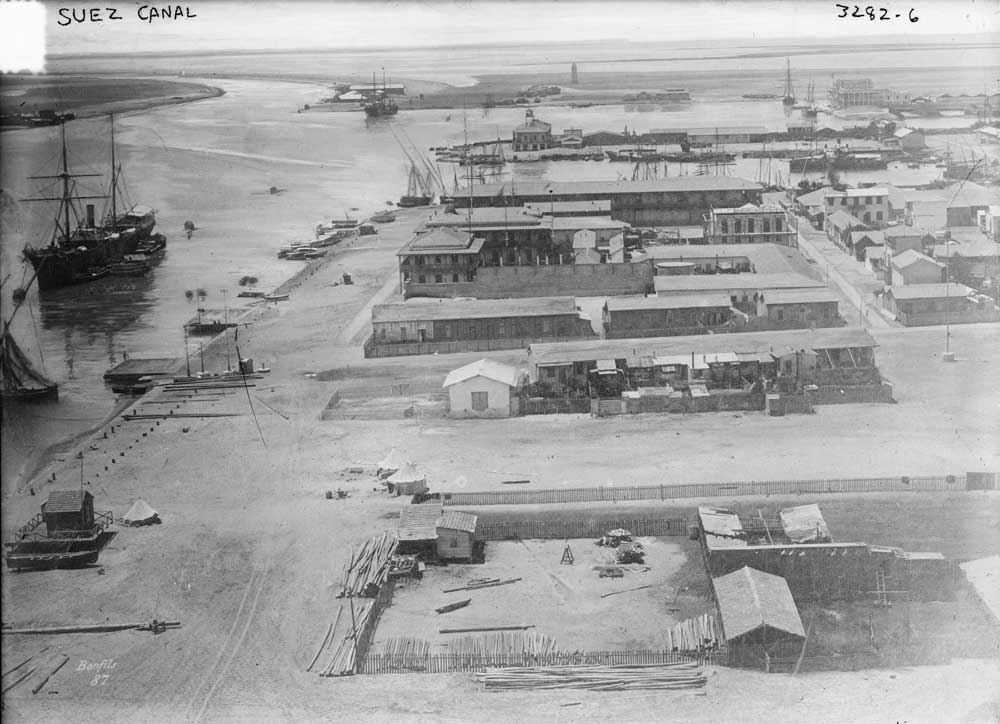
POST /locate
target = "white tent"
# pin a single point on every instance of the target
(390, 464)
(141, 514)
(407, 481)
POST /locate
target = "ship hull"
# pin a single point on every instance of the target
(88, 261)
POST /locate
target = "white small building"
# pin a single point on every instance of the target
(483, 389)
(909, 139)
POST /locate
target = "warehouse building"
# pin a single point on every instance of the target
(429, 326)
(632, 316)
(673, 201)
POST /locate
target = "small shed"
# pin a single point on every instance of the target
(67, 510)
(417, 528)
(912, 267)
(407, 481)
(757, 608)
(456, 533)
(483, 389)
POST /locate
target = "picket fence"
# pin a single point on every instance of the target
(563, 529)
(615, 494)
(445, 663)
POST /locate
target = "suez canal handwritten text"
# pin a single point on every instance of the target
(145, 13)
(873, 13)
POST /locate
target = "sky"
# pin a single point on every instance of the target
(308, 24)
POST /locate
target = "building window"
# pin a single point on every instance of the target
(454, 277)
(777, 224)
(420, 261)
(736, 226)
(868, 200)
(878, 215)
(480, 401)
(843, 201)
(725, 226)
(421, 279)
(779, 314)
(868, 217)
(437, 260)
(749, 226)
(438, 278)
(767, 225)
(454, 258)
(402, 332)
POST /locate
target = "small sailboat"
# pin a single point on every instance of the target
(20, 380)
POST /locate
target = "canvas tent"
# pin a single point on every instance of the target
(141, 514)
(390, 464)
(407, 481)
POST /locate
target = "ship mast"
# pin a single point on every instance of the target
(114, 178)
(65, 199)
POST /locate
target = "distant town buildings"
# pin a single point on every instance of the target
(533, 134)
(847, 92)
(750, 224)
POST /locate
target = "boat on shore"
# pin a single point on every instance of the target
(68, 533)
(384, 217)
(79, 246)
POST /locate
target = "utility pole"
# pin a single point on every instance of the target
(187, 358)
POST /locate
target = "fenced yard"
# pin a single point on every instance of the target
(613, 494)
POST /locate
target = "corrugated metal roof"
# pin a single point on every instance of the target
(504, 374)
(419, 522)
(799, 296)
(561, 353)
(693, 301)
(749, 599)
(910, 257)
(65, 501)
(930, 291)
(694, 283)
(543, 189)
(455, 520)
(805, 524)
(446, 309)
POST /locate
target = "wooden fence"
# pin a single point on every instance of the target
(445, 663)
(562, 529)
(613, 494)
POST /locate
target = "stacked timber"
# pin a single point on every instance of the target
(695, 634)
(504, 643)
(596, 678)
(341, 647)
(369, 567)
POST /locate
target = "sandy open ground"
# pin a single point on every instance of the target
(249, 552)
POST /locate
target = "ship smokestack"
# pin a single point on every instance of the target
(90, 216)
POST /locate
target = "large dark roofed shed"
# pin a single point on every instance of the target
(757, 607)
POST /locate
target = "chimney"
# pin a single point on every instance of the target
(90, 216)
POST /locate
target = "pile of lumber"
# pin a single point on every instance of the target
(404, 646)
(339, 650)
(695, 634)
(369, 566)
(597, 678)
(530, 643)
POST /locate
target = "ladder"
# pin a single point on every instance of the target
(567, 556)
(880, 589)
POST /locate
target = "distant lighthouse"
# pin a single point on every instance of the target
(574, 79)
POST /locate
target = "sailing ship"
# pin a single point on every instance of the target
(789, 97)
(20, 380)
(83, 249)
(419, 190)
(381, 102)
(811, 111)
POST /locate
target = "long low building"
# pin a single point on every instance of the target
(634, 316)
(424, 327)
(730, 258)
(740, 288)
(799, 307)
(677, 200)
(795, 352)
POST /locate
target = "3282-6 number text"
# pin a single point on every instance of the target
(873, 13)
